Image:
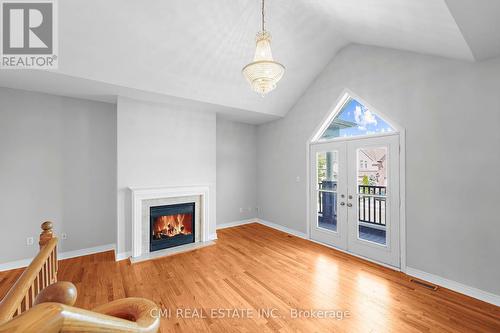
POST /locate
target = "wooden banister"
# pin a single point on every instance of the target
(60, 292)
(46, 235)
(60, 318)
(41, 273)
(38, 303)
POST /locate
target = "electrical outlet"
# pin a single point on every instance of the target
(64, 236)
(30, 241)
(297, 179)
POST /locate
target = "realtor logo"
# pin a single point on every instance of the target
(29, 34)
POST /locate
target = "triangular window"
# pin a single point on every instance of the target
(354, 119)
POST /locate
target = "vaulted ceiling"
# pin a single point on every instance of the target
(192, 51)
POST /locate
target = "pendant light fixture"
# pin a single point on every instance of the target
(263, 73)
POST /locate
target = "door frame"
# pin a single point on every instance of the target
(400, 131)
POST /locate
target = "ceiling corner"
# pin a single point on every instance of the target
(479, 24)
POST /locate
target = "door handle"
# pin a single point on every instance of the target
(342, 203)
(349, 204)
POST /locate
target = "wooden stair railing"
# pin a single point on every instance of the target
(41, 273)
(38, 303)
(61, 318)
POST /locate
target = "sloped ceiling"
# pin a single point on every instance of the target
(479, 21)
(194, 50)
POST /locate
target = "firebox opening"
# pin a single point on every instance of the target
(171, 225)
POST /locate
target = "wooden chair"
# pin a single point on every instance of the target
(39, 303)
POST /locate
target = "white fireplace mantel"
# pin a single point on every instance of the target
(141, 194)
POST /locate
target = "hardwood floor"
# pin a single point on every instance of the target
(255, 267)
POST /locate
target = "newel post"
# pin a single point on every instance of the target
(46, 235)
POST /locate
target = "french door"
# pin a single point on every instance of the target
(355, 196)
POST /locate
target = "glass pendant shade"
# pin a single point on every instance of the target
(263, 73)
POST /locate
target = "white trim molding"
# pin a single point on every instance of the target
(141, 194)
(15, 264)
(479, 294)
(60, 255)
(283, 229)
(267, 224)
(122, 255)
(236, 223)
(87, 251)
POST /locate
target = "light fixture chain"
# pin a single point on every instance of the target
(263, 22)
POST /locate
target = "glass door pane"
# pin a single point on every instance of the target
(328, 193)
(327, 169)
(372, 194)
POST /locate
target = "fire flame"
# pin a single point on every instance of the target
(171, 225)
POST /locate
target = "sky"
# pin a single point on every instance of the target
(367, 122)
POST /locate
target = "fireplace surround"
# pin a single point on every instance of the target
(142, 199)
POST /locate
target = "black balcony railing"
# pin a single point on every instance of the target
(372, 204)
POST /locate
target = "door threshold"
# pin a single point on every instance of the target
(394, 268)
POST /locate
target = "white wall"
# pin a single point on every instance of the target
(451, 111)
(57, 162)
(236, 171)
(159, 145)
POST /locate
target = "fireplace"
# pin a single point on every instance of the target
(171, 225)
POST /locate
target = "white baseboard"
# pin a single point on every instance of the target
(85, 252)
(282, 228)
(212, 237)
(236, 223)
(61, 255)
(15, 264)
(455, 286)
(123, 255)
(263, 222)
